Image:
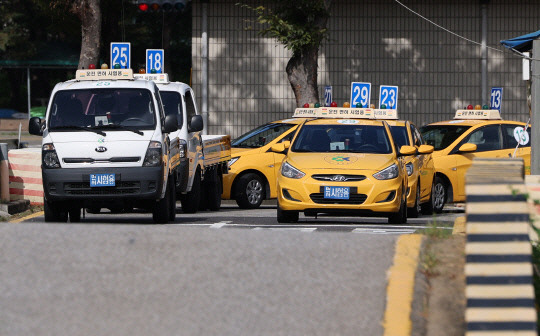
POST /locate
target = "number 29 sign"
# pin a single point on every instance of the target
(360, 93)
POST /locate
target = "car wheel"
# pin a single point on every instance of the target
(250, 191)
(54, 212)
(172, 199)
(414, 212)
(285, 216)
(161, 211)
(438, 195)
(399, 217)
(191, 200)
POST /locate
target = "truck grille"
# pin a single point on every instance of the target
(83, 188)
(353, 199)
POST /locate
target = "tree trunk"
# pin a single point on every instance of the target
(302, 74)
(302, 68)
(89, 12)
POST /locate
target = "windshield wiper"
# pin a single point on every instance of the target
(114, 126)
(82, 128)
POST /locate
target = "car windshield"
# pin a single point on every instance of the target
(110, 109)
(261, 135)
(441, 136)
(399, 133)
(342, 138)
(172, 105)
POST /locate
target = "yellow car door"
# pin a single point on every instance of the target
(489, 144)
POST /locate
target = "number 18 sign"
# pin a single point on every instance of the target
(154, 60)
(388, 95)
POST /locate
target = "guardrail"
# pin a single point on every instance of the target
(498, 270)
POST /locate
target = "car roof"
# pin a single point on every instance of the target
(330, 121)
(473, 122)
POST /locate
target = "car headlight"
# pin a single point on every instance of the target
(387, 173)
(410, 168)
(233, 160)
(289, 171)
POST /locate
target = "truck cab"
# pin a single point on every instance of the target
(105, 145)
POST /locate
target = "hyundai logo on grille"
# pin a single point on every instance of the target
(339, 178)
(101, 149)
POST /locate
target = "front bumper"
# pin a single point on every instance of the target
(132, 183)
(370, 197)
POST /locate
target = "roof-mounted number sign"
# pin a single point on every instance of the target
(121, 54)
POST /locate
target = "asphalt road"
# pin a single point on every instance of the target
(232, 272)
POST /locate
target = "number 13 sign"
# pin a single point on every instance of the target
(388, 95)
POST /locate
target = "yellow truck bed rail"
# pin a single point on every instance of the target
(216, 149)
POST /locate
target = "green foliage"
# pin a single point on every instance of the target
(296, 24)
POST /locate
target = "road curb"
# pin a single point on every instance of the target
(400, 289)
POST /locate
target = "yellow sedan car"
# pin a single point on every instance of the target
(471, 134)
(419, 167)
(345, 162)
(253, 167)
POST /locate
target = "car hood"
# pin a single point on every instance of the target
(342, 161)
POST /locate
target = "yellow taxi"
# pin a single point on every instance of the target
(473, 133)
(253, 167)
(342, 161)
(420, 168)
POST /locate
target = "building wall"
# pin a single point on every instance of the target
(380, 42)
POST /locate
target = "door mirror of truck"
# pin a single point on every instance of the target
(171, 123)
(196, 124)
(467, 148)
(407, 150)
(425, 149)
(34, 126)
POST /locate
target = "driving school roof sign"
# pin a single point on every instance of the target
(104, 74)
(344, 112)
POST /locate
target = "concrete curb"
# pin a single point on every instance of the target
(498, 269)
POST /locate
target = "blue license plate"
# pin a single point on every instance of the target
(337, 192)
(102, 180)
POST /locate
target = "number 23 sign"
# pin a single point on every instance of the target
(388, 95)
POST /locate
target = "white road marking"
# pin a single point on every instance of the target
(219, 225)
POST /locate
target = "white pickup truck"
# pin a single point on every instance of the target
(199, 177)
(107, 143)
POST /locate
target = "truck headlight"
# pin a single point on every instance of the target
(153, 154)
(289, 171)
(410, 168)
(50, 159)
(387, 173)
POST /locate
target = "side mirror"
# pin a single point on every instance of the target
(425, 149)
(407, 150)
(196, 124)
(34, 126)
(467, 148)
(171, 124)
(280, 147)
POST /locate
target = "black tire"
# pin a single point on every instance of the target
(172, 205)
(161, 211)
(191, 200)
(54, 212)
(74, 214)
(438, 195)
(250, 191)
(285, 216)
(414, 212)
(399, 217)
(214, 190)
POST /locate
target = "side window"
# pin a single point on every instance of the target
(486, 138)
(511, 131)
(190, 107)
(417, 138)
(289, 136)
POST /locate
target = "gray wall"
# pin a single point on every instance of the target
(370, 41)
